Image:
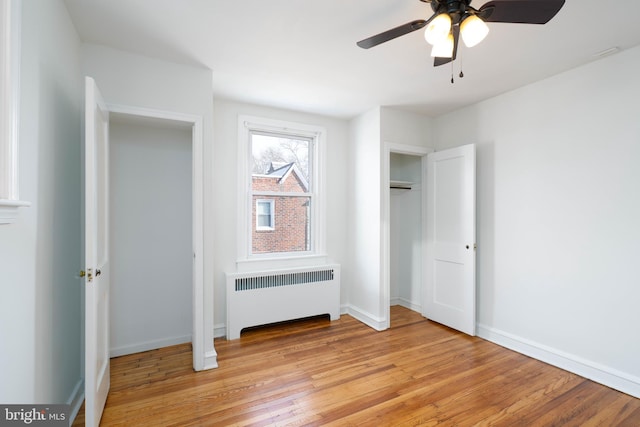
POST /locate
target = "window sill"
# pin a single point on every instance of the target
(273, 262)
(9, 210)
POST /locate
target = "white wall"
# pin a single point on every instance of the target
(139, 81)
(369, 216)
(40, 313)
(225, 177)
(405, 127)
(150, 236)
(558, 207)
(364, 269)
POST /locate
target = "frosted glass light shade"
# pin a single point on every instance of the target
(438, 29)
(473, 30)
(444, 49)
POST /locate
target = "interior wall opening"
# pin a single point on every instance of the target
(405, 231)
(151, 234)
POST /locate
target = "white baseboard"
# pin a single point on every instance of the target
(148, 345)
(605, 375)
(75, 400)
(407, 304)
(219, 330)
(375, 322)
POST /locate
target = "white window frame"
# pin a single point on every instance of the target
(10, 15)
(246, 260)
(272, 220)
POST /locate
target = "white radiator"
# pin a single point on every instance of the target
(277, 295)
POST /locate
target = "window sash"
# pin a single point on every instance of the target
(291, 232)
(287, 134)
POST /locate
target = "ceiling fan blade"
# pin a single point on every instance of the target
(393, 33)
(437, 61)
(520, 11)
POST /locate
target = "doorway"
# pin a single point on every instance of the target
(96, 230)
(150, 192)
(405, 234)
(446, 239)
(403, 200)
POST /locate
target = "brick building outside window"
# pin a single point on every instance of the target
(280, 223)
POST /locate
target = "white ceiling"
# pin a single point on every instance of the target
(302, 55)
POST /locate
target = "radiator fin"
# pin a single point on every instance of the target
(284, 279)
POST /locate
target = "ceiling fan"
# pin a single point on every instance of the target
(453, 18)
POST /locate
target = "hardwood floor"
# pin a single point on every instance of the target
(342, 373)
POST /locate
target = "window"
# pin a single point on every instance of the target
(281, 189)
(264, 215)
(9, 93)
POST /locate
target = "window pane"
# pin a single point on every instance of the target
(264, 208)
(264, 221)
(280, 163)
(291, 232)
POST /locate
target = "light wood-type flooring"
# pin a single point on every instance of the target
(315, 372)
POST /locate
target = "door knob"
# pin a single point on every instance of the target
(98, 272)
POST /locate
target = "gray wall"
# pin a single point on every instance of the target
(40, 255)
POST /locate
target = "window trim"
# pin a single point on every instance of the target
(10, 15)
(248, 124)
(272, 220)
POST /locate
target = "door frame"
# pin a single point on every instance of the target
(203, 358)
(411, 150)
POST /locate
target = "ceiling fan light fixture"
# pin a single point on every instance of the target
(438, 29)
(473, 30)
(444, 49)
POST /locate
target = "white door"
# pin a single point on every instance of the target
(96, 254)
(450, 234)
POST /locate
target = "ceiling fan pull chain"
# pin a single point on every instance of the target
(452, 81)
(461, 73)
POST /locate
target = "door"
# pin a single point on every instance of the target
(96, 254)
(450, 235)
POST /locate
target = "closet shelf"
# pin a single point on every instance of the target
(402, 185)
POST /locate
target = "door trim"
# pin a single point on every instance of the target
(204, 355)
(412, 150)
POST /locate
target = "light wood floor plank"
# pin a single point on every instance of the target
(315, 372)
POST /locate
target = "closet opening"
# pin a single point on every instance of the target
(151, 243)
(404, 243)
